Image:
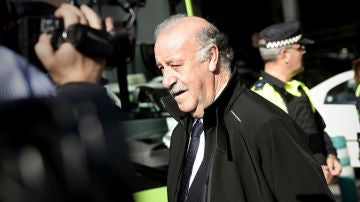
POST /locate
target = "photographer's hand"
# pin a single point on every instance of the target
(66, 64)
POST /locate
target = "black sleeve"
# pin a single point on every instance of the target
(330, 149)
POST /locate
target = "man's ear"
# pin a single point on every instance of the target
(284, 56)
(213, 58)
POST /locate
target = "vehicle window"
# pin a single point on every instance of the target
(343, 93)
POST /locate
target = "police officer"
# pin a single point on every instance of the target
(282, 47)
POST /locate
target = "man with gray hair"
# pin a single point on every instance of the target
(247, 147)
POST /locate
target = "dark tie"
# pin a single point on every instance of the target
(190, 158)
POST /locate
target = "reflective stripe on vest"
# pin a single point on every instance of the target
(292, 87)
(268, 92)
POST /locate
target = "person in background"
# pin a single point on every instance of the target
(356, 69)
(249, 150)
(69, 146)
(282, 47)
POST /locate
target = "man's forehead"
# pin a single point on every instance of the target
(169, 44)
(176, 41)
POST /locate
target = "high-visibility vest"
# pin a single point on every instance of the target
(270, 93)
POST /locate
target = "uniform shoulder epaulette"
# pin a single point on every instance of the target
(259, 84)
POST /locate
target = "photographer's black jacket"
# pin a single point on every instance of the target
(253, 152)
(77, 140)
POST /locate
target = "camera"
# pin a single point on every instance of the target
(89, 41)
(117, 46)
(22, 22)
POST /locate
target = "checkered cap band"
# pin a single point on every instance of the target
(282, 43)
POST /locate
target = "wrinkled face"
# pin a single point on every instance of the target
(183, 74)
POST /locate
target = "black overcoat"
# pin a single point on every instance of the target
(254, 152)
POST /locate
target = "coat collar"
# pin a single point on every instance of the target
(231, 89)
(227, 97)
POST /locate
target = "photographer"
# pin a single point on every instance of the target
(67, 64)
(68, 147)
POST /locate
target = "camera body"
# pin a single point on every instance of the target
(89, 41)
(115, 46)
